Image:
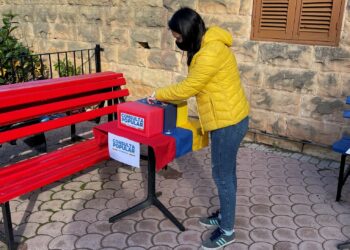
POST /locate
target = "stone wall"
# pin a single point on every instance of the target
(296, 91)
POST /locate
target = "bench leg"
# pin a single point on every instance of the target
(6, 213)
(341, 176)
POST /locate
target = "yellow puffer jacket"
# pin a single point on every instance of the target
(213, 78)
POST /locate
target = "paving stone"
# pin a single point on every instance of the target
(100, 227)
(196, 201)
(237, 246)
(280, 199)
(189, 237)
(306, 221)
(89, 215)
(98, 204)
(323, 209)
(262, 235)
(66, 242)
(89, 241)
(262, 222)
(302, 209)
(344, 219)
(346, 231)
(147, 225)
(181, 201)
(77, 228)
(162, 248)
(308, 245)
(39, 217)
(115, 240)
(243, 236)
(308, 233)
(53, 205)
(279, 181)
(76, 204)
(260, 190)
(27, 230)
(327, 220)
(331, 233)
(63, 215)
(286, 234)
(84, 194)
(331, 244)
(167, 225)
(261, 210)
(300, 199)
(119, 203)
(53, 229)
(167, 238)
(126, 226)
(261, 246)
(65, 195)
(285, 245)
(45, 195)
(140, 239)
(185, 247)
(259, 199)
(196, 212)
(284, 221)
(282, 210)
(243, 211)
(279, 190)
(37, 242)
(298, 190)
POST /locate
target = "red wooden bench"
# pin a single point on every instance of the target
(27, 101)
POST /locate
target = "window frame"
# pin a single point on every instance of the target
(292, 33)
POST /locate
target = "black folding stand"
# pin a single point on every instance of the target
(151, 196)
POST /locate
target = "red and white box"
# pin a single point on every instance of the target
(140, 119)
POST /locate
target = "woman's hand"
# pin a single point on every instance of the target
(151, 99)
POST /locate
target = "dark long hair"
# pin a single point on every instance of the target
(191, 26)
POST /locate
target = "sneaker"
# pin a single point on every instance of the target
(218, 239)
(211, 221)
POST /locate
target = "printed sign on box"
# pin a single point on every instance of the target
(124, 150)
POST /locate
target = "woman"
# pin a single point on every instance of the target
(213, 78)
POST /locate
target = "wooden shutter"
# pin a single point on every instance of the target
(319, 20)
(298, 21)
(274, 19)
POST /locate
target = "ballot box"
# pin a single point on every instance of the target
(141, 119)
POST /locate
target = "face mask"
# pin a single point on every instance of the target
(183, 46)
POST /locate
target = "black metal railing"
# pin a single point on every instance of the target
(50, 65)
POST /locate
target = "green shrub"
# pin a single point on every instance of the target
(66, 69)
(17, 64)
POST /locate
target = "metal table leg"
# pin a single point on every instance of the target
(151, 196)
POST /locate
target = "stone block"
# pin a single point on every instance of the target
(173, 5)
(267, 122)
(320, 152)
(151, 37)
(249, 137)
(69, 15)
(328, 85)
(274, 100)
(308, 130)
(132, 56)
(45, 14)
(131, 73)
(167, 40)
(115, 35)
(246, 8)
(160, 59)
(155, 78)
(245, 51)
(322, 109)
(89, 33)
(281, 143)
(150, 17)
(146, 3)
(41, 30)
(345, 80)
(110, 54)
(333, 58)
(119, 16)
(302, 81)
(63, 31)
(250, 74)
(239, 26)
(345, 34)
(296, 56)
(219, 6)
(92, 15)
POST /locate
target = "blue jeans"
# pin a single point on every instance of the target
(224, 148)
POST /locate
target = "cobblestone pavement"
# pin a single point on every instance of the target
(285, 201)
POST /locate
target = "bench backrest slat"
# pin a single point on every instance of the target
(53, 92)
(20, 132)
(23, 105)
(16, 116)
